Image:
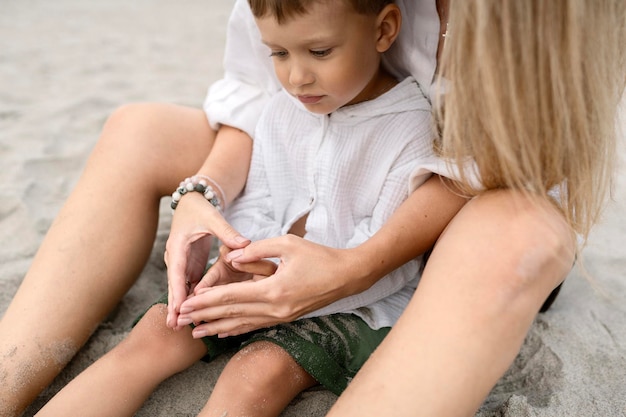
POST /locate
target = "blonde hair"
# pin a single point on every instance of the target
(531, 97)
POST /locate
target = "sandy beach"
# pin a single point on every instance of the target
(66, 65)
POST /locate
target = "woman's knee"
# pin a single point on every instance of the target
(149, 136)
(524, 241)
(157, 127)
(540, 240)
(133, 121)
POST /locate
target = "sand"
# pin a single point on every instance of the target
(66, 65)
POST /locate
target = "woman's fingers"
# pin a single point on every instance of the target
(176, 266)
(231, 300)
(308, 277)
(232, 326)
(241, 301)
(263, 268)
(277, 247)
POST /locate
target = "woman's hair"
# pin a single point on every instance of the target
(531, 97)
(285, 9)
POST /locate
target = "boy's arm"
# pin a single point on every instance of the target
(426, 220)
(410, 231)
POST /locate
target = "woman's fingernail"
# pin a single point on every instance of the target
(198, 333)
(185, 309)
(241, 239)
(234, 254)
(184, 321)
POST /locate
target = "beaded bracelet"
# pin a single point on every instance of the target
(216, 187)
(199, 184)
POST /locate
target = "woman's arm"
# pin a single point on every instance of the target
(233, 106)
(196, 220)
(484, 283)
(311, 276)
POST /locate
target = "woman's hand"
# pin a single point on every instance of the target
(309, 276)
(187, 249)
(223, 272)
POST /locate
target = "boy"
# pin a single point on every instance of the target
(331, 162)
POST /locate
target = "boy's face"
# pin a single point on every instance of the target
(326, 58)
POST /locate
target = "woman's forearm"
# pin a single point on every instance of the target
(195, 221)
(229, 161)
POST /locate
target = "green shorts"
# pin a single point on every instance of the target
(331, 348)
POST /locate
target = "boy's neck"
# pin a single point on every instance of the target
(382, 82)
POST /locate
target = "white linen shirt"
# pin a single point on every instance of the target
(249, 81)
(348, 171)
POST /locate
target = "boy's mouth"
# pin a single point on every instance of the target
(308, 99)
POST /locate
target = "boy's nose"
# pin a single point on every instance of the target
(300, 75)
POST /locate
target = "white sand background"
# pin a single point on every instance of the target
(65, 65)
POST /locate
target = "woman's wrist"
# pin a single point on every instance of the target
(200, 184)
(228, 162)
(362, 268)
(217, 188)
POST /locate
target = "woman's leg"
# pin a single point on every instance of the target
(483, 285)
(122, 380)
(260, 381)
(98, 244)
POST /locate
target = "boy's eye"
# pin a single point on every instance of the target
(278, 54)
(321, 53)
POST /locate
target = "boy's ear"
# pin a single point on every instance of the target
(389, 23)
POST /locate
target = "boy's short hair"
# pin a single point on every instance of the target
(284, 9)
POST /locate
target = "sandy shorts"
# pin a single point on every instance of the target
(331, 348)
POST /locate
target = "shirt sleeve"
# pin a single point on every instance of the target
(437, 165)
(249, 81)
